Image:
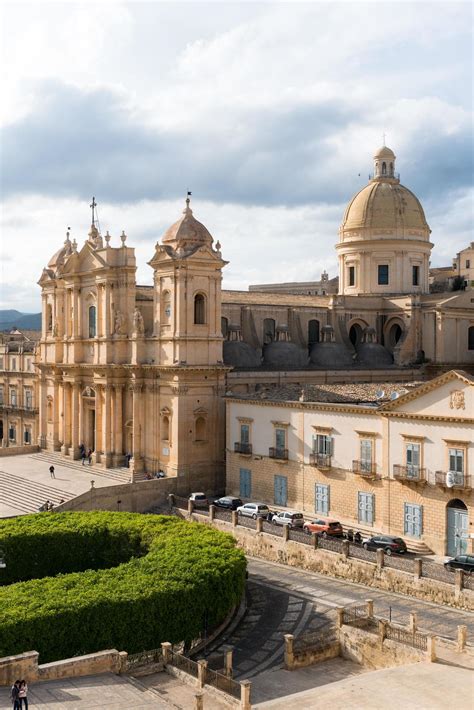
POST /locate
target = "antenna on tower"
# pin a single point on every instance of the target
(95, 214)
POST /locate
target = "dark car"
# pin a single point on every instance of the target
(228, 502)
(388, 543)
(464, 562)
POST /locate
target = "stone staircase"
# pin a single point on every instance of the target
(115, 475)
(26, 495)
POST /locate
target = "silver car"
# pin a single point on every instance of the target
(290, 518)
(253, 510)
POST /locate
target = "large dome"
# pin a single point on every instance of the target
(385, 204)
(187, 231)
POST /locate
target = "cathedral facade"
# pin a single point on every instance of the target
(139, 373)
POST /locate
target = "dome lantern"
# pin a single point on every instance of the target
(384, 164)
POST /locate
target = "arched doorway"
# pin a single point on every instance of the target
(355, 334)
(313, 333)
(456, 527)
(392, 334)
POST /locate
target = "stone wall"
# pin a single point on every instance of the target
(133, 497)
(366, 648)
(310, 656)
(25, 665)
(276, 549)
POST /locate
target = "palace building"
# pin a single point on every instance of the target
(141, 371)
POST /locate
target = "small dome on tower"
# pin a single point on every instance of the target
(187, 231)
(384, 153)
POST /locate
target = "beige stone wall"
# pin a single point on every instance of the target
(365, 648)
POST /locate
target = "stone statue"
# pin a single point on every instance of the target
(56, 328)
(119, 323)
(138, 323)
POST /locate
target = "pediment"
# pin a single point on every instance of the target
(47, 276)
(84, 261)
(449, 395)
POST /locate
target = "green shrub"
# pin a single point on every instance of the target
(131, 582)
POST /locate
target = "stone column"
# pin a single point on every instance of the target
(245, 687)
(462, 637)
(66, 433)
(345, 548)
(199, 701)
(41, 414)
(235, 518)
(412, 623)
(100, 310)
(417, 563)
(202, 668)
(96, 456)
(259, 526)
(166, 650)
(56, 445)
(431, 650)
(380, 558)
(212, 512)
(339, 617)
(136, 463)
(286, 533)
(228, 653)
(75, 420)
(315, 540)
(76, 316)
(118, 426)
(458, 582)
(370, 607)
(107, 422)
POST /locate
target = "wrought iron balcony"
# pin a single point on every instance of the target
(368, 469)
(277, 453)
(455, 480)
(241, 448)
(409, 473)
(322, 461)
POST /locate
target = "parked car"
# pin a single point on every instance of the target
(253, 510)
(228, 502)
(199, 500)
(288, 517)
(464, 562)
(388, 543)
(324, 527)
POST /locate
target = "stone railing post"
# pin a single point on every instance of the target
(431, 649)
(171, 501)
(212, 512)
(190, 507)
(458, 581)
(122, 662)
(199, 701)
(315, 540)
(286, 533)
(228, 653)
(339, 616)
(380, 558)
(417, 563)
(289, 656)
(413, 622)
(370, 607)
(202, 668)
(382, 628)
(166, 650)
(345, 548)
(462, 637)
(259, 525)
(245, 687)
(235, 518)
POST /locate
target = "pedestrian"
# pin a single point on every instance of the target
(51, 470)
(128, 457)
(15, 695)
(89, 456)
(83, 456)
(23, 695)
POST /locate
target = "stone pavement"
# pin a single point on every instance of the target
(25, 482)
(424, 686)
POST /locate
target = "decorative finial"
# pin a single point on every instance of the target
(123, 237)
(218, 245)
(67, 235)
(93, 205)
(187, 209)
(74, 245)
(107, 238)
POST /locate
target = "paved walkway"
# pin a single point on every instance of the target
(25, 482)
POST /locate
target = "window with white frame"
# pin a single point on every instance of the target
(413, 457)
(13, 396)
(322, 445)
(366, 454)
(456, 461)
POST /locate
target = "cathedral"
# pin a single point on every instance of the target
(140, 373)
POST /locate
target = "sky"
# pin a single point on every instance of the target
(268, 112)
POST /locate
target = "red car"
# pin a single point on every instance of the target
(324, 527)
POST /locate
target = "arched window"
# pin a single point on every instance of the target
(268, 330)
(199, 309)
(166, 306)
(49, 411)
(49, 317)
(200, 429)
(313, 333)
(355, 334)
(92, 322)
(384, 168)
(470, 338)
(165, 428)
(224, 327)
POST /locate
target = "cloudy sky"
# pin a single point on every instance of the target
(269, 112)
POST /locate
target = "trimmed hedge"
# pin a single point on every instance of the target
(169, 576)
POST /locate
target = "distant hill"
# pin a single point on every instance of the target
(23, 321)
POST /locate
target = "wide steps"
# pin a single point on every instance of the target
(27, 495)
(118, 475)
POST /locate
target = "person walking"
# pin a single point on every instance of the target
(22, 695)
(51, 470)
(83, 455)
(89, 456)
(15, 695)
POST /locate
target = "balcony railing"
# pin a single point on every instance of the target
(241, 448)
(320, 460)
(409, 473)
(27, 407)
(277, 453)
(454, 479)
(365, 468)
